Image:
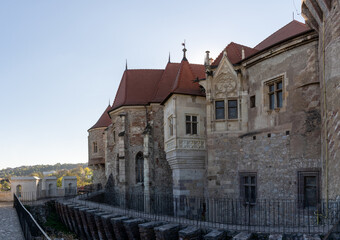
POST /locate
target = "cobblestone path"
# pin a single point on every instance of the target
(10, 228)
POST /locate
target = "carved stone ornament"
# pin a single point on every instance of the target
(225, 83)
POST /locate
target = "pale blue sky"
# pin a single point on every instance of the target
(61, 61)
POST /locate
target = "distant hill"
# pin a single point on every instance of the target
(28, 170)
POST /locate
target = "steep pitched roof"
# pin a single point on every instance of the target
(234, 53)
(171, 74)
(104, 120)
(291, 29)
(137, 87)
(184, 83)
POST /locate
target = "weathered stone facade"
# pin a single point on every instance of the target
(262, 123)
(324, 17)
(138, 130)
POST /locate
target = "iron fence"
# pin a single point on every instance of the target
(30, 227)
(264, 215)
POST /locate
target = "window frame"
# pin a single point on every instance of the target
(171, 125)
(139, 168)
(274, 93)
(95, 147)
(228, 112)
(302, 174)
(191, 124)
(216, 108)
(242, 183)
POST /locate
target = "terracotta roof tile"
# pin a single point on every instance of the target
(104, 120)
(137, 87)
(291, 29)
(234, 53)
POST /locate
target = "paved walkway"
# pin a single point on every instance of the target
(10, 228)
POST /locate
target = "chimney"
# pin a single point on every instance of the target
(243, 54)
(207, 59)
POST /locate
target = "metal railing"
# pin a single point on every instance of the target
(264, 215)
(30, 227)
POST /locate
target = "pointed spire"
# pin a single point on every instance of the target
(184, 51)
(109, 102)
(126, 68)
(169, 58)
(243, 53)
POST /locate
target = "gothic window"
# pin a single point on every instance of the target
(248, 187)
(309, 189)
(275, 97)
(95, 147)
(219, 109)
(232, 109)
(171, 126)
(191, 124)
(139, 168)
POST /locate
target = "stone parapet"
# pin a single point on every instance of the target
(131, 228)
(167, 232)
(146, 230)
(108, 228)
(215, 235)
(118, 227)
(190, 233)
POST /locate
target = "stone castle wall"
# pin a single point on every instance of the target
(278, 143)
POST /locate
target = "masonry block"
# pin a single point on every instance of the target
(108, 228)
(83, 218)
(146, 230)
(92, 223)
(131, 228)
(215, 235)
(311, 237)
(190, 233)
(275, 237)
(243, 236)
(100, 226)
(118, 227)
(73, 218)
(167, 232)
(79, 222)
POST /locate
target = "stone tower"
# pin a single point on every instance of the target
(324, 17)
(97, 149)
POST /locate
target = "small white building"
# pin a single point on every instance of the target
(69, 184)
(27, 188)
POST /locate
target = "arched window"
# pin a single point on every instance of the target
(19, 190)
(139, 168)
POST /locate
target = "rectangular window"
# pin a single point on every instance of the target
(232, 109)
(248, 187)
(95, 147)
(219, 109)
(252, 101)
(191, 124)
(275, 93)
(309, 189)
(171, 126)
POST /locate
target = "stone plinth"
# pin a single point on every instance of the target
(190, 233)
(146, 230)
(167, 232)
(215, 235)
(118, 227)
(131, 228)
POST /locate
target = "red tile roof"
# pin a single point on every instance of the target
(291, 29)
(172, 72)
(104, 120)
(137, 87)
(234, 53)
(141, 87)
(184, 82)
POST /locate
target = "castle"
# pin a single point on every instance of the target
(254, 123)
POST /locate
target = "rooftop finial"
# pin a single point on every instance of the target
(169, 58)
(109, 102)
(126, 65)
(184, 51)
